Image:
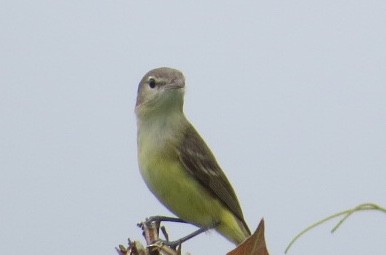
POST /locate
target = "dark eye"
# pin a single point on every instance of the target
(152, 83)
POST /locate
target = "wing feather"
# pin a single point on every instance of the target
(200, 162)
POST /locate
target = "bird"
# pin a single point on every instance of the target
(175, 162)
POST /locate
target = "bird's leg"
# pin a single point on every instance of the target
(174, 244)
(165, 233)
(151, 227)
(163, 218)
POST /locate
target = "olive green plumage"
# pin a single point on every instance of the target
(175, 162)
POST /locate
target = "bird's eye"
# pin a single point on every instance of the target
(152, 83)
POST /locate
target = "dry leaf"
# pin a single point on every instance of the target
(254, 245)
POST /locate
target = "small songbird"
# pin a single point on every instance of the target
(175, 162)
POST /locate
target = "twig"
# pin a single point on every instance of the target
(347, 213)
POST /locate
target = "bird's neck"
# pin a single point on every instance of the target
(161, 126)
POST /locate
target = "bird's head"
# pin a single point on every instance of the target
(160, 90)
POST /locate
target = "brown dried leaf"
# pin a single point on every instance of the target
(253, 245)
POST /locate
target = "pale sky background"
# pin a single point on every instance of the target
(290, 96)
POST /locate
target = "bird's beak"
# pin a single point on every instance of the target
(176, 84)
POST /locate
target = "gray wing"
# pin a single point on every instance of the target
(200, 162)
